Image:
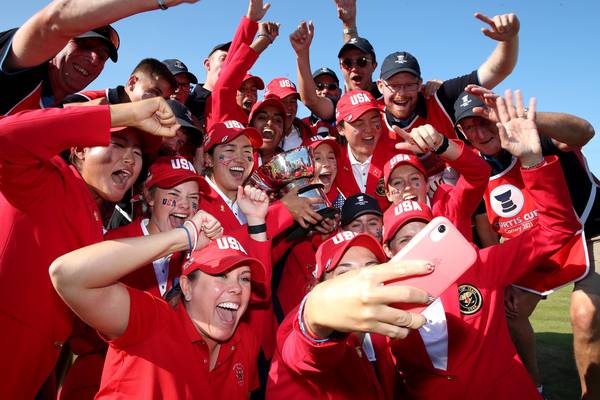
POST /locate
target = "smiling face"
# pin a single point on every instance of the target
(367, 223)
(354, 258)
(247, 95)
(402, 237)
(400, 94)
(217, 302)
(325, 165)
(231, 164)
(482, 133)
(363, 134)
(110, 171)
(77, 65)
(358, 75)
(406, 183)
(172, 207)
(269, 122)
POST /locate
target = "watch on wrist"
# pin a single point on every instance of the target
(442, 147)
(162, 5)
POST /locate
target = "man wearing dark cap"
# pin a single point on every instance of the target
(60, 50)
(183, 77)
(406, 106)
(196, 102)
(320, 90)
(510, 214)
(187, 139)
(361, 214)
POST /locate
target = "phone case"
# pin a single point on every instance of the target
(444, 246)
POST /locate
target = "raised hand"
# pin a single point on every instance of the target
(431, 87)
(209, 228)
(346, 10)
(502, 28)
(421, 139)
(302, 37)
(269, 29)
(489, 98)
(301, 208)
(257, 10)
(517, 129)
(357, 301)
(254, 203)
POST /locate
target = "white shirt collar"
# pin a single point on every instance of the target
(231, 204)
(354, 161)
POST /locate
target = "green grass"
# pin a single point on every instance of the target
(555, 346)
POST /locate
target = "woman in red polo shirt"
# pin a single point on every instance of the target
(197, 349)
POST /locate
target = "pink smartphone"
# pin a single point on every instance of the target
(444, 246)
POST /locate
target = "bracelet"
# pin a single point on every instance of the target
(348, 31)
(267, 36)
(254, 229)
(189, 237)
(535, 165)
(442, 147)
(195, 231)
(303, 328)
(162, 5)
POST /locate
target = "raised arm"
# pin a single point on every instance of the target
(88, 277)
(566, 130)
(346, 10)
(48, 31)
(505, 30)
(301, 39)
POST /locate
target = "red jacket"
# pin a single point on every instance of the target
(482, 361)
(375, 184)
(337, 369)
(222, 105)
(46, 210)
(458, 203)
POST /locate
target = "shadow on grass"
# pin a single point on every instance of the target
(557, 365)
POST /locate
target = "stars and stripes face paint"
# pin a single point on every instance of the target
(172, 207)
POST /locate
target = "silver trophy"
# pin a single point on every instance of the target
(292, 169)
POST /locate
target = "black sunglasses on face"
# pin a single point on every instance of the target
(328, 86)
(360, 62)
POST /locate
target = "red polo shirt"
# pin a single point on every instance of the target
(162, 355)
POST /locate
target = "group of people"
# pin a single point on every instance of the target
(137, 261)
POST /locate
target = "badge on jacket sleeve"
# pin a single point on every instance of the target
(469, 299)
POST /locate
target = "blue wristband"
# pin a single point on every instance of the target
(188, 236)
(303, 328)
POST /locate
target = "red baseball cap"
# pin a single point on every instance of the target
(168, 172)
(271, 101)
(225, 132)
(150, 143)
(331, 251)
(316, 141)
(224, 254)
(397, 215)
(260, 85)
(352, 105)
(281, 87)
(402, 159)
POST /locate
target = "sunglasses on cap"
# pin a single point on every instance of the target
(328, 86)
(360, 62)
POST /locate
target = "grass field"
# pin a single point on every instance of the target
(554, 346)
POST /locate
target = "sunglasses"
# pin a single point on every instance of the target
(328, 86)
(360, 62)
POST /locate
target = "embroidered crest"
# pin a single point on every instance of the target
(380, 189)
(238, 370)
(469, 299)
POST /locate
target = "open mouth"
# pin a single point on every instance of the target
(357, 79)
(409, 196)
(325, 178)
(121, 177)
(237, 172)
(177, 219)
(268, 134)
(247, 104)
(81, 70)
(227, 311)
(368, 140)
(402, 102)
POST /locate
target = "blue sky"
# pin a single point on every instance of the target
(558, 60)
